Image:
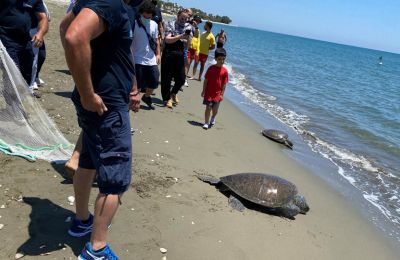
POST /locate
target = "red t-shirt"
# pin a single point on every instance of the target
(216, 78)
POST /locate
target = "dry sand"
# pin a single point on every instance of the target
(167, 206)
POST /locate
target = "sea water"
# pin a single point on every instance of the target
(337, 102)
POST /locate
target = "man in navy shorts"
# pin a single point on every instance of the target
(98, 33)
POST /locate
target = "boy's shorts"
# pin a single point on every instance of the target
(212, 104)
(192, 55)
(107, 147)
(203, 57)
(147, 76)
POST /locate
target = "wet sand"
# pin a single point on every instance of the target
(167, 205)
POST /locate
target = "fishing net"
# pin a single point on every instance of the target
(25, 128)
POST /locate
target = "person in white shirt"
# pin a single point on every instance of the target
(146, 51)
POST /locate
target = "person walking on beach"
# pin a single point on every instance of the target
(194, 45)
(15, 23)
(193, 53)
(214, 85)
(39, 54)
(146, 52)
(157, 17)
(207, 43)
(221, 38)
(98, 32)
(177, 33)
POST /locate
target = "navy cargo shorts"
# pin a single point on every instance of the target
(107, 147)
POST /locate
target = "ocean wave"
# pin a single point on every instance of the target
(264, 100)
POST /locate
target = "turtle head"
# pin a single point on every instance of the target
(300, 202)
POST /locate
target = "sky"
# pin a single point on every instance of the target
(372, 24)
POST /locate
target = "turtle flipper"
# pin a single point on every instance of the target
(289, 144)
(209, 179)
(235, 203)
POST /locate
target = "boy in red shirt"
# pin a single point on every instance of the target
(214, 85)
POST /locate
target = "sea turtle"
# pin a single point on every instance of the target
(277, 136)
(266, 190)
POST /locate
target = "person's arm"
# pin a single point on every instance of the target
(161, 30)
(86, 26)
(172, 39)
(43, 26)
(223, 91)
(204, 87)
(158, 52)
(134, 97)
(225, 82)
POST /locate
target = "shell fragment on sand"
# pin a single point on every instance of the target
(163, 250)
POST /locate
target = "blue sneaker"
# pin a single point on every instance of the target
(79, 229)
(89, 254)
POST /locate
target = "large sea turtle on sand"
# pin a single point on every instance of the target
(278, 136)
(265, 190)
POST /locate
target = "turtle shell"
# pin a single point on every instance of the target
(260, 188)
(276, 135)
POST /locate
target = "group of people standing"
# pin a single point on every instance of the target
(113, 49)
(23, 25)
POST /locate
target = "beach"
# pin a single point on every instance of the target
(167, 206)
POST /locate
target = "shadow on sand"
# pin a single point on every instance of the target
(64, 71)
(66, 94)
(48, 229)
(195, 123)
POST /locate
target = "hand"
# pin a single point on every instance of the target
(222, 98)
(202, 94)
(37, 40)
(158, 58)
(184, 36)
(94, 104)
(134, 101)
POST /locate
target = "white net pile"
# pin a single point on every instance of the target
(25, 128)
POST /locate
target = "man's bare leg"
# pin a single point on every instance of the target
(72, 164)
(196, 63)
(105, 208)
(83, 180)
(201, 69)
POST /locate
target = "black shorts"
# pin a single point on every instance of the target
(212, 104)
(107, 147)
(147, 76)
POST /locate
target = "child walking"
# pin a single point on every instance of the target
(214, 85)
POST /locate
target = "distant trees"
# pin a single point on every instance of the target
(173, 8)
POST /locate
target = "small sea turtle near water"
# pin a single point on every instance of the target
(265, 190)
(278, 136)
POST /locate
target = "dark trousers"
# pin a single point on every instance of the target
(21, 54)
(172, 66)
(41, 58)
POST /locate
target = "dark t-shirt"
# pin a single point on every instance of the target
(39, 9)
(112, 63)
(157, 17)
(15, 18)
